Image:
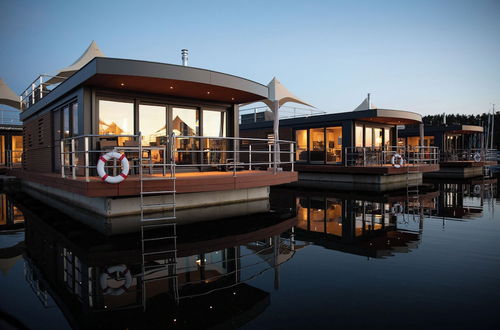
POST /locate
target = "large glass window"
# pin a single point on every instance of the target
(387, 137)
(301, 139)
(65, 122)
(214, 125)
(334, 144)
(359, 136)
(368, 137)
(377, 137)
(74, 117)
(17, 149)
(153, 124)
(116, 118)
(2, 149)
(185, 122)
(317, 144)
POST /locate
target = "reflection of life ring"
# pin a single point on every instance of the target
(395, 162)
(117, 273)
(477, 157)
(477, 189)
(397, 208)
(102, 172)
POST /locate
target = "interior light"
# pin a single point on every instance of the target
(171, 87)
(232, 99)
(208, 92)
(122, 84)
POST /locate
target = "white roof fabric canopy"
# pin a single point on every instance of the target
(92, 51)
(278, 92)
(365, 105)
(7, 96)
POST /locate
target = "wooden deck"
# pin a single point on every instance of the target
(185, 182)
(371, 170)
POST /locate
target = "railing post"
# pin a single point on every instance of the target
(269, 160)
(292, 152)
(33, 93)
(275, 160)
(73, 166)
(62, 159)
(86, 142)
(364, 156)
(250, 157)
(234, 156)
(41, 87)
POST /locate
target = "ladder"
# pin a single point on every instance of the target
(158, 232)
(412, 187)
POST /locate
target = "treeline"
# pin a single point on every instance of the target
(480, 120)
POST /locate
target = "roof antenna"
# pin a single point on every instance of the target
(368, 101)
(184, 53)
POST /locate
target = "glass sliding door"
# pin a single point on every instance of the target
(185, 122)
(387, 137)
(359, 136)
(368, 137)
(2, 149)
(301, 139)
(378, 137)
(317, 145)
(214, 126)
(116, 118)
(17, 149)
(153, 128)
(334, 145)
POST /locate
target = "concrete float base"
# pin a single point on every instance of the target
(456, 173)
(118, 215)
(364, 182)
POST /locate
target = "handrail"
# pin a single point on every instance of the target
(380, 156)
(36, 90)
(220, 153)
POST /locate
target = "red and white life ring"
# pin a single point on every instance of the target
(102, 172)
(395, 162)
(118, 273)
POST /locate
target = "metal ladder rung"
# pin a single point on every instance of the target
(157, 205)
(159, 225)
(158, 238)
(165, 178)
(158, 252)
(161, 266)
(157, 219)
(159, 278)
(158, 192)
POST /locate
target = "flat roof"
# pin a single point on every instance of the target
(156, 78)
(382, 116)
(454, 129)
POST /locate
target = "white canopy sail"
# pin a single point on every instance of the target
(92, 51)
(7, 96)
(365, 105)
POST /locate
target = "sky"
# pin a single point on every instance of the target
(424, 56)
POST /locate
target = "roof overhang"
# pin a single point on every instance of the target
(157, 78)
(386, 116)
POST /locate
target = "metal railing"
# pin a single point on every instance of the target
(382, 156)
(38, 89)
(253, 115)
(79, 155)
(473, 154)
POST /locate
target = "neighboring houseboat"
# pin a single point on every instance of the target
(177, 127)
(462, 152)
(352, 150)
(11, 131)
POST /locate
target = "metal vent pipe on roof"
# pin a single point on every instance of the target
(184, 53)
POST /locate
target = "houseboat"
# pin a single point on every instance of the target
(11, 131)
(119, 137)
(462, 152)
(353, 150)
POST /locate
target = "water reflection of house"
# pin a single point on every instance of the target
(100, 104)
(374, 227)
(214, 263)
(11, 219)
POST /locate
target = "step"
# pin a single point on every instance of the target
(145, 206)
(158, 238)
(159, 267)
(159, 225)
(165, 178)
(157, 219)
(158, 278)
(158, 252)
(158, 192)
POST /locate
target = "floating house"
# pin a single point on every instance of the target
(11, 132)
(462, 152)
(352, 150)
(174, 128)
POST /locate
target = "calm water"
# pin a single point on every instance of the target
(316, 260)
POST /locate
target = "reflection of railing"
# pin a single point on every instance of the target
(79, 155)
(39, 88)
(253, 115)
(473, 154)
(381, 156)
